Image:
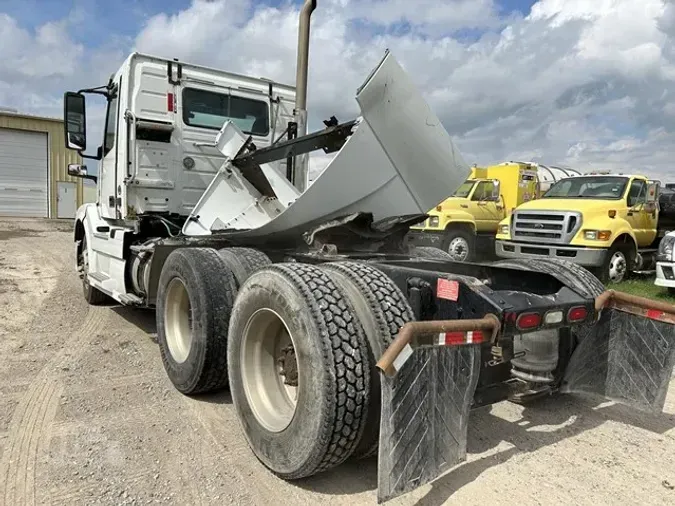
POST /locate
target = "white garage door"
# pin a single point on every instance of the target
(23, 173)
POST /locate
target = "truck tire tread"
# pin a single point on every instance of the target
(382, 309)
(213, 291)
(573, 274)
(431, 253)
(243, 262)
(344, 391)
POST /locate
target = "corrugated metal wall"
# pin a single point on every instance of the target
(59, 156)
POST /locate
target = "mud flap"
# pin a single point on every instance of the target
(424, 417)
(627, 357)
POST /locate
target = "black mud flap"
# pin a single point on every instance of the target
(425, 414)
(625, 357)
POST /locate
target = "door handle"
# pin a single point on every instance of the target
(465, 206)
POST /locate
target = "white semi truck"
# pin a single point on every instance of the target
(336, 339)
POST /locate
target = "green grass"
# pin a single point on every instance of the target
(643, 285)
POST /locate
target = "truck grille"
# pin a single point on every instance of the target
(547, 226)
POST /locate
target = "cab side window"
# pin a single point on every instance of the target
(637, 193)
(110, 126)
(483, 191)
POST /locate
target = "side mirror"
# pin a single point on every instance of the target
(75, 121)
(652, 192)
(77, 170)
(496, 190)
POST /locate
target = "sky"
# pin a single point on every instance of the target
(586, 84)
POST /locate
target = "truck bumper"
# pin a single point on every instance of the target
(588, 257)
(425, 238)
(665, 274)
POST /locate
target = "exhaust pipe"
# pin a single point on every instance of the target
(300, 171)
(303, 56)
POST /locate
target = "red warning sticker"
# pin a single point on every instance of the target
(447, 289)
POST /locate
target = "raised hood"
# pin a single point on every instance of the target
(399, 161)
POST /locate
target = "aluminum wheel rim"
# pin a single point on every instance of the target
(85, 265)
(266, 365)
(178, 321)
(617, 267)
(458, 249)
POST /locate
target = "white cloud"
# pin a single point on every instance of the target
(573, 82)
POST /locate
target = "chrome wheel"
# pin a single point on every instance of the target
(617, 267)
(178, 321)
(269, 370)
(458, 249)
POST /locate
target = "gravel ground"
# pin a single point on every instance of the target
(87, 416)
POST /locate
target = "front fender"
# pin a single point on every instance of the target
(457, 218)
(86, 220)
(617, 226)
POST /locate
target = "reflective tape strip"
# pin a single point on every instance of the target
(405, 354)
(458, 338)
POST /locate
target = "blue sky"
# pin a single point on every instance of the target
(99, 19)
(572, 82)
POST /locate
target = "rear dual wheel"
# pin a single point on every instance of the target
(196, 292)
(299, 370)
(298, 350)
(304, 342)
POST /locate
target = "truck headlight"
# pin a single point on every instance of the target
(597, 235)
(433, 221)
(503, 229)
(665, 253)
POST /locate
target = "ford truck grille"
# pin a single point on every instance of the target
(545, 226)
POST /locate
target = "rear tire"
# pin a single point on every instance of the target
(194, 301)
(243, 262)
(327, 363)
(382, 310)
(573, 274)
(432, 253)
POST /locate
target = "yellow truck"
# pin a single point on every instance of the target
(464, 225)
(609, 223)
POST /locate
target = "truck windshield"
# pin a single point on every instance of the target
(207, 109)
(594, 187)
(464, 190)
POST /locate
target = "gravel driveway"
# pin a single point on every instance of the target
(87, 416)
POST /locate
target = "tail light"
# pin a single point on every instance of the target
(527, 321)
(553, 317)
(577, 314)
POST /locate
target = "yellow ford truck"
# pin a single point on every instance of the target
(465, 224)
(607, 223)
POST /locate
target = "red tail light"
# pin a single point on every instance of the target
(577, 314)
(169, 101)
(528, 321)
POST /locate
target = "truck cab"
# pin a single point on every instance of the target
(161, 118)
(464, 225)
(605, 222)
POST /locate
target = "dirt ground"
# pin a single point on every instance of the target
(87, 416)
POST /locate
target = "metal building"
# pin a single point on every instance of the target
(34, 180)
